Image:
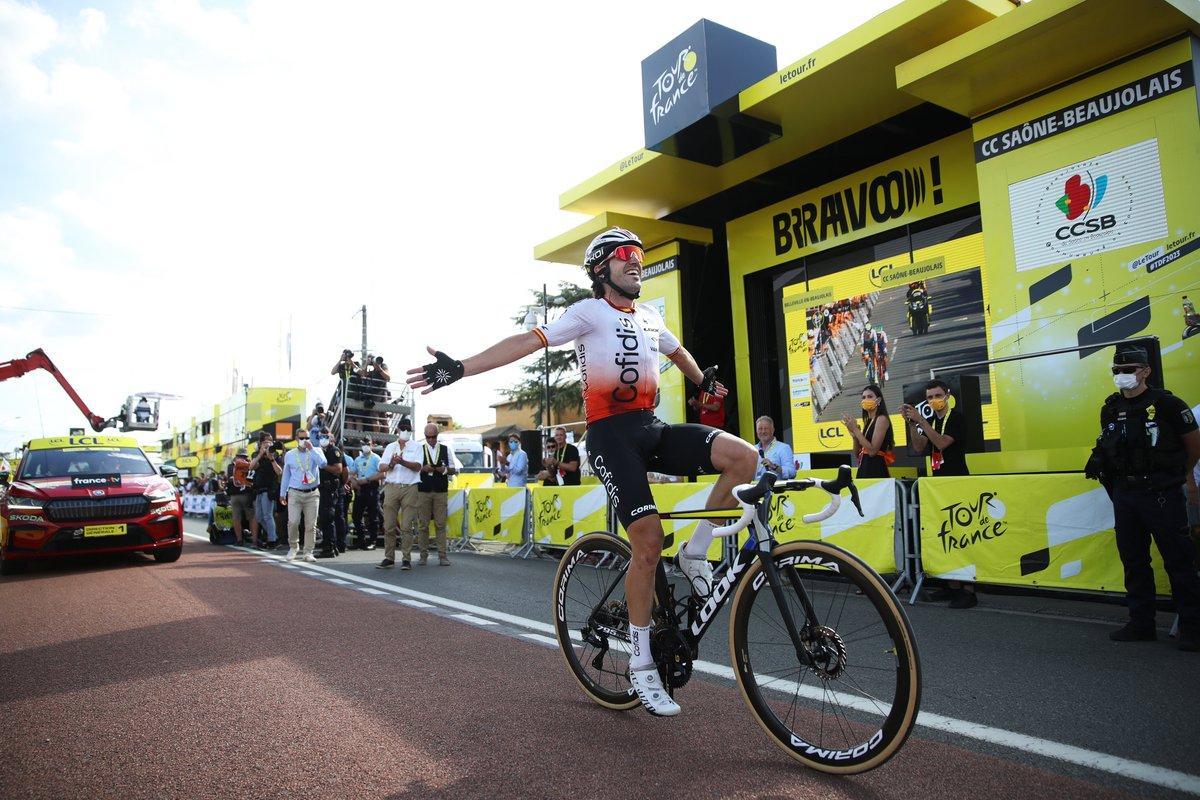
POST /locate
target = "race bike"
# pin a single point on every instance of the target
(819, 646)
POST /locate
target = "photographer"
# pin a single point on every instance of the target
(348, 372)
(265, 473)
(375, 377)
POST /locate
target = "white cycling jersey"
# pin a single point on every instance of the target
(618, 349)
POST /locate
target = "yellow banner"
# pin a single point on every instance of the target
(919, 184)
(560, 513)
(456, 504)
(871, 537)
(496, 515)
(472, 480)
(1023, 530)
(1093, 235)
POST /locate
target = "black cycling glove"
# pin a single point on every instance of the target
(444, 371)
(709, 382)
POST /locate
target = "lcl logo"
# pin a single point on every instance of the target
(832, 437)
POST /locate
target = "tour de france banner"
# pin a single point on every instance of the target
(496, 514)
(561, 513)
(870, 537)
(1088, 197)
(660, 289)
(1052, 531)
(456, 506)
(825, 321)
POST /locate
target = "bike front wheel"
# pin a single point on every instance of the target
(591, 618)
(850, 704)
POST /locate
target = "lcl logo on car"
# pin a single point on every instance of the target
(97, 493)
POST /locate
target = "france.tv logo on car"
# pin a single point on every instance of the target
(1081, 195)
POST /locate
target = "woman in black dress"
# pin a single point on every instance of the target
(873, 440)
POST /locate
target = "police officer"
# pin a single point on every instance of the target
(333, 534)
(1147, 448)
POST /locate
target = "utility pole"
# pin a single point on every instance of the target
(364, 335)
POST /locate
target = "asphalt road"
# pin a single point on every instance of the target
(227, 674)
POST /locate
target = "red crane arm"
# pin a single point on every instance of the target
(39, 360)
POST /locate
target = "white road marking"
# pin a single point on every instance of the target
(370, 590)
(338, 581)
(413, 603)
(537, 637)
(473, 619)
(1046, 748)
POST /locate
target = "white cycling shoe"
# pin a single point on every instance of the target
(648, 686)
(698, 572)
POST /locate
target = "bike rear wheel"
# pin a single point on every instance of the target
(827, 715)
(591, 618)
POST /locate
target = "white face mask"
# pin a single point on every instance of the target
(404, 436)
(1125, 382)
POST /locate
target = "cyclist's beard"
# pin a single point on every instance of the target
(628, 295)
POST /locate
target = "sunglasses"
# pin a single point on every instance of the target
(302, 438)
(626, 252)
(1127, 370)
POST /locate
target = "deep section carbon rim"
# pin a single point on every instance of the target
(851, 709)
(591, 619)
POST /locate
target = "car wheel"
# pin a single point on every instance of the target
(167, 555)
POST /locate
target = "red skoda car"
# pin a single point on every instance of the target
(82, 495)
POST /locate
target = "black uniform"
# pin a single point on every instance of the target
(1140, 459)
(332, 508)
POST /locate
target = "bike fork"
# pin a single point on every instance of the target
(772, 573)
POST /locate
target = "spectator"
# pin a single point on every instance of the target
(568, 461)
(437, 465)
(241, 496)
(265, 472)
(499, 462)
(333, 536)
(773, 455)
(375, 376)
(5, 470)
(278, 451)
(711, 409)
(317, 421)
(518, 463)
(346, 368)
(400, 469)
(298, 491)
(548, 475)
(943, 435)
(875, 440)
(366, 496)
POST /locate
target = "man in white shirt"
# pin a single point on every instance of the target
(400, 468)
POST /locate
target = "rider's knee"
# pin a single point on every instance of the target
(746, 461)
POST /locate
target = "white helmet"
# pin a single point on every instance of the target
(603, 246)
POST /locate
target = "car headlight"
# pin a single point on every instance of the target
(160, 495)
(25, 504)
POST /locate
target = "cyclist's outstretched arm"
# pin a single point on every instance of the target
(503, 352)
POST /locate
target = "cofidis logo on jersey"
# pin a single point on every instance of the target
(1113, 200)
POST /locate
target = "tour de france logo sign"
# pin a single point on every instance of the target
(967, 523)
(673, 83)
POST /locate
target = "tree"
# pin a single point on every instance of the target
(566, 391)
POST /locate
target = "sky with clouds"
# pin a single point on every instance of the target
(182, 181)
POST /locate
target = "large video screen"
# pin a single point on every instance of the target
(884, 323)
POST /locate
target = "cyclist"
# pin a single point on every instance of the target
(617, 344)
(881, 350)
(875, 350)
